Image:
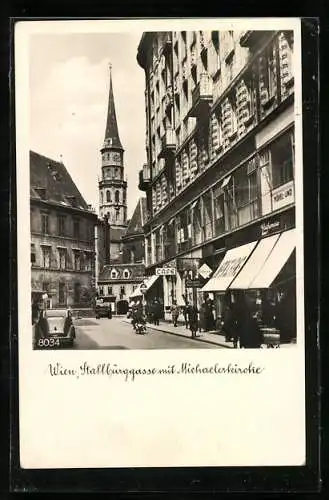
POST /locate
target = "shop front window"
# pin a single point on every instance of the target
(282, 161)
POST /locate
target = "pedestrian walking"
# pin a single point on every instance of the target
(156, 311)
(192, 313)
(185, 312)
(202, 317)
(174, 313)
(230, 326)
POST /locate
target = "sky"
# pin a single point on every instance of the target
(69, 84)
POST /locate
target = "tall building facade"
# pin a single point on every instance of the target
(117, 281)
(62, 236)
(220, 164)
(112, 184)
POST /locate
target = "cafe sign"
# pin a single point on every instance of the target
(165, 271)
(283, 195)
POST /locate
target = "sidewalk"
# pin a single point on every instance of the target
(213, 337)
(180, 330)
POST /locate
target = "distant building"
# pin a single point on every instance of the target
(62, 236)
(120, 243)
(112, 191)
(118, 280)
(220, 169)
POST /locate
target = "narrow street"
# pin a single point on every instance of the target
(115, 333)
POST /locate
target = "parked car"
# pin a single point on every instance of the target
(54, 328)
(103, 309)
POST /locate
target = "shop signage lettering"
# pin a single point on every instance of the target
(231, 267)
(268, 227)
(193, 284)
(165, 271)
(283, 195)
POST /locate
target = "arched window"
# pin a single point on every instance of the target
(108, 196)
(117, 215)
(117, 196)
(126, 274)
(114, 274)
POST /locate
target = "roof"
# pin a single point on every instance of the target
(137, 220)
(136, 271)
(111, 138)
(50, 181)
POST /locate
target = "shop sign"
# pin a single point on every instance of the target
(194, 284)
(283, 195)
(165, 271)
(269, 227)
(205, 271)
(231, 267)
(143, 287)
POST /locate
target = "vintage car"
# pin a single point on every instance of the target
(55, 328)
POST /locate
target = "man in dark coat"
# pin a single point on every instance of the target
(193, 319)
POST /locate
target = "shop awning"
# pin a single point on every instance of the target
(232, 263)
(281, 252)
(149, 282)
(254, 264)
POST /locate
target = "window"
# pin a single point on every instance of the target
(108, 196)
(124, 196)
(61, 294)
(219, 211)
(114, 274)
(126, 274)
(267, 75)
(101, 290)
(77, 260)
(169, 239)
(158, 245)
(117, 215)
(197, 223)
(77, 292)
(207, 215)
(62, 258)
(76, 228)
(122, 291)
(184, 230)
(44, 223)
(246, 192)
(117, 196)
(101, 196)
(61, 225)
(45, 257)
(33, 254)
(109, 290)
(87, 261)
(282, 160)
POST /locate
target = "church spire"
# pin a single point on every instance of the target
(111, 138)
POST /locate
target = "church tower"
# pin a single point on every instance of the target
(112, 186)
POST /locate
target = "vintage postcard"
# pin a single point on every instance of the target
(160, 243)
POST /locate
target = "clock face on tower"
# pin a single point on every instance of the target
(115, 157)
